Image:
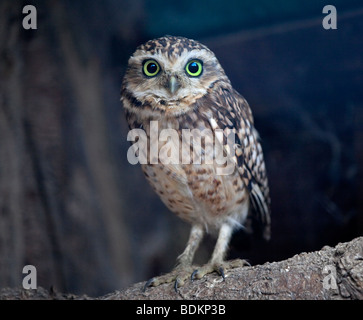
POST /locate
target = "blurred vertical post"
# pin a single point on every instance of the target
(61, 208)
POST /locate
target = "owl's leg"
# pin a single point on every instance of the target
(217, 263)
(183, 269)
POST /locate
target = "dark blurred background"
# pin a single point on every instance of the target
(71, 204)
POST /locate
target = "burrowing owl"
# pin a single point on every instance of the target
(179, 84)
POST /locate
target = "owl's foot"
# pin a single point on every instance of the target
(220, 268)
(178, 276)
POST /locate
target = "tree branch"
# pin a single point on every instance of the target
(331, 273)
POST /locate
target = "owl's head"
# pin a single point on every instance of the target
(170, 74)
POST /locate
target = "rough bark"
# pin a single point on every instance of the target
(329, 274)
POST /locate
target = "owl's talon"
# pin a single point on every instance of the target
(177, 277)
(220, 268)
(221, 273)
(148, 284)
(192, 277)
(176, 285)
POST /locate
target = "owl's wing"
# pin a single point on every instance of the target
(234, 115)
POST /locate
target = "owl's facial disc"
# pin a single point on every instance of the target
(172, 75)
(168, 81)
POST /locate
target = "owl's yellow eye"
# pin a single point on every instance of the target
(151, 68)
(194, 68)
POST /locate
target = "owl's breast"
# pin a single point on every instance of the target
(183, 171)
(198, 195)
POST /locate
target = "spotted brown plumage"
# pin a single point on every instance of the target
(196, 192)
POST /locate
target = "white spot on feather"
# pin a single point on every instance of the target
(213, 123)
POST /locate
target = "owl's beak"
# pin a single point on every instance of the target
(173, 84)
